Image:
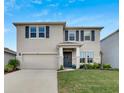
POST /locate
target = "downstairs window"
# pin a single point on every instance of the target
(86, 56)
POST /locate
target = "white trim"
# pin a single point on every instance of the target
(44, 32)
(84, 36)
(39, 53)
(77, 57)
(30, 32)
(37, 32)
(86, 51)
(74, 36)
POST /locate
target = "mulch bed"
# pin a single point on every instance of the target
(17, 69)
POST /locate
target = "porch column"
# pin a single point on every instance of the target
(60, 56)
(77, 57)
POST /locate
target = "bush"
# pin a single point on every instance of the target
(61, 67)
(86, 66)
(90, 66)
(14, 62)
(96, 66)
(106, 66)
(8, 68)
(81, 66)
(74, 66)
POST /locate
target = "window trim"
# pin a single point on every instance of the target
(30, 32)
(44, 32)
(84, 35)
(74, 36)
(85, 55)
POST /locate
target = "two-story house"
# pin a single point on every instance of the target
(49, 45)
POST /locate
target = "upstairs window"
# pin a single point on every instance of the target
(33, 32)
(72, 36)
(42, 32)
(87, 35)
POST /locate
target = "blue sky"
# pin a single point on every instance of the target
(74, 12)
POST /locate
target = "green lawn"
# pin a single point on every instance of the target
(89, 81)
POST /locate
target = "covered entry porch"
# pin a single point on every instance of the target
(69, 54)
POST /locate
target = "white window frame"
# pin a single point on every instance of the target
(85, 35)
(44, 32)
(30, 32)
(74, 35)
(85, 53)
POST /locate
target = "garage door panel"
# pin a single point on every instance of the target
(39, 61)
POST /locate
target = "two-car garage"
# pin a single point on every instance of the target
(39, 61)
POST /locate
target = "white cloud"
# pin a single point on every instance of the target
(9, 4)
(8, 7)
(81, 0)
(83, 20)
(37, 1)
(57, 14)
(6, 30)
(53, 5)
(10, 28)
(71, 1)
(49, 0)
(41, 14)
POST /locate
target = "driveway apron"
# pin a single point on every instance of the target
(31, 81)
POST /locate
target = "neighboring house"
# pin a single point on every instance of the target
(8, 54)
(110, 49)
(48, 45)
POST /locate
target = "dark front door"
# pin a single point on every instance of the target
(67, 59)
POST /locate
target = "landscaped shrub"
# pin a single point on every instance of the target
(96, 66)
(74, 66)
(81, 66)
(61, 67)
(106, 66)
(8, 68)
(89, 66)
(14, 62)
(86, 66)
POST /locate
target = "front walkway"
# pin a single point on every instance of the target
(31, 81)
(67, 69)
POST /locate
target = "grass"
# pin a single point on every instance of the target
(88, 81)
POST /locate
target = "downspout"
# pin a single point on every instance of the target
(101, 64)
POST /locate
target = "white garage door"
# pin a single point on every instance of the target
(39, 61)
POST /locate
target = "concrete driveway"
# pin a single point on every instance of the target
(31, 81)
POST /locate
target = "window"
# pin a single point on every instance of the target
(82, 57)
(90, 57)
(86, 55)
(32, 32)
(72, 36)
(87, 35)
(41, 32)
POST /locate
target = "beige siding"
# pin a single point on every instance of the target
(37, 45)
(91, 45)
(7, 57)
(34, 50)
